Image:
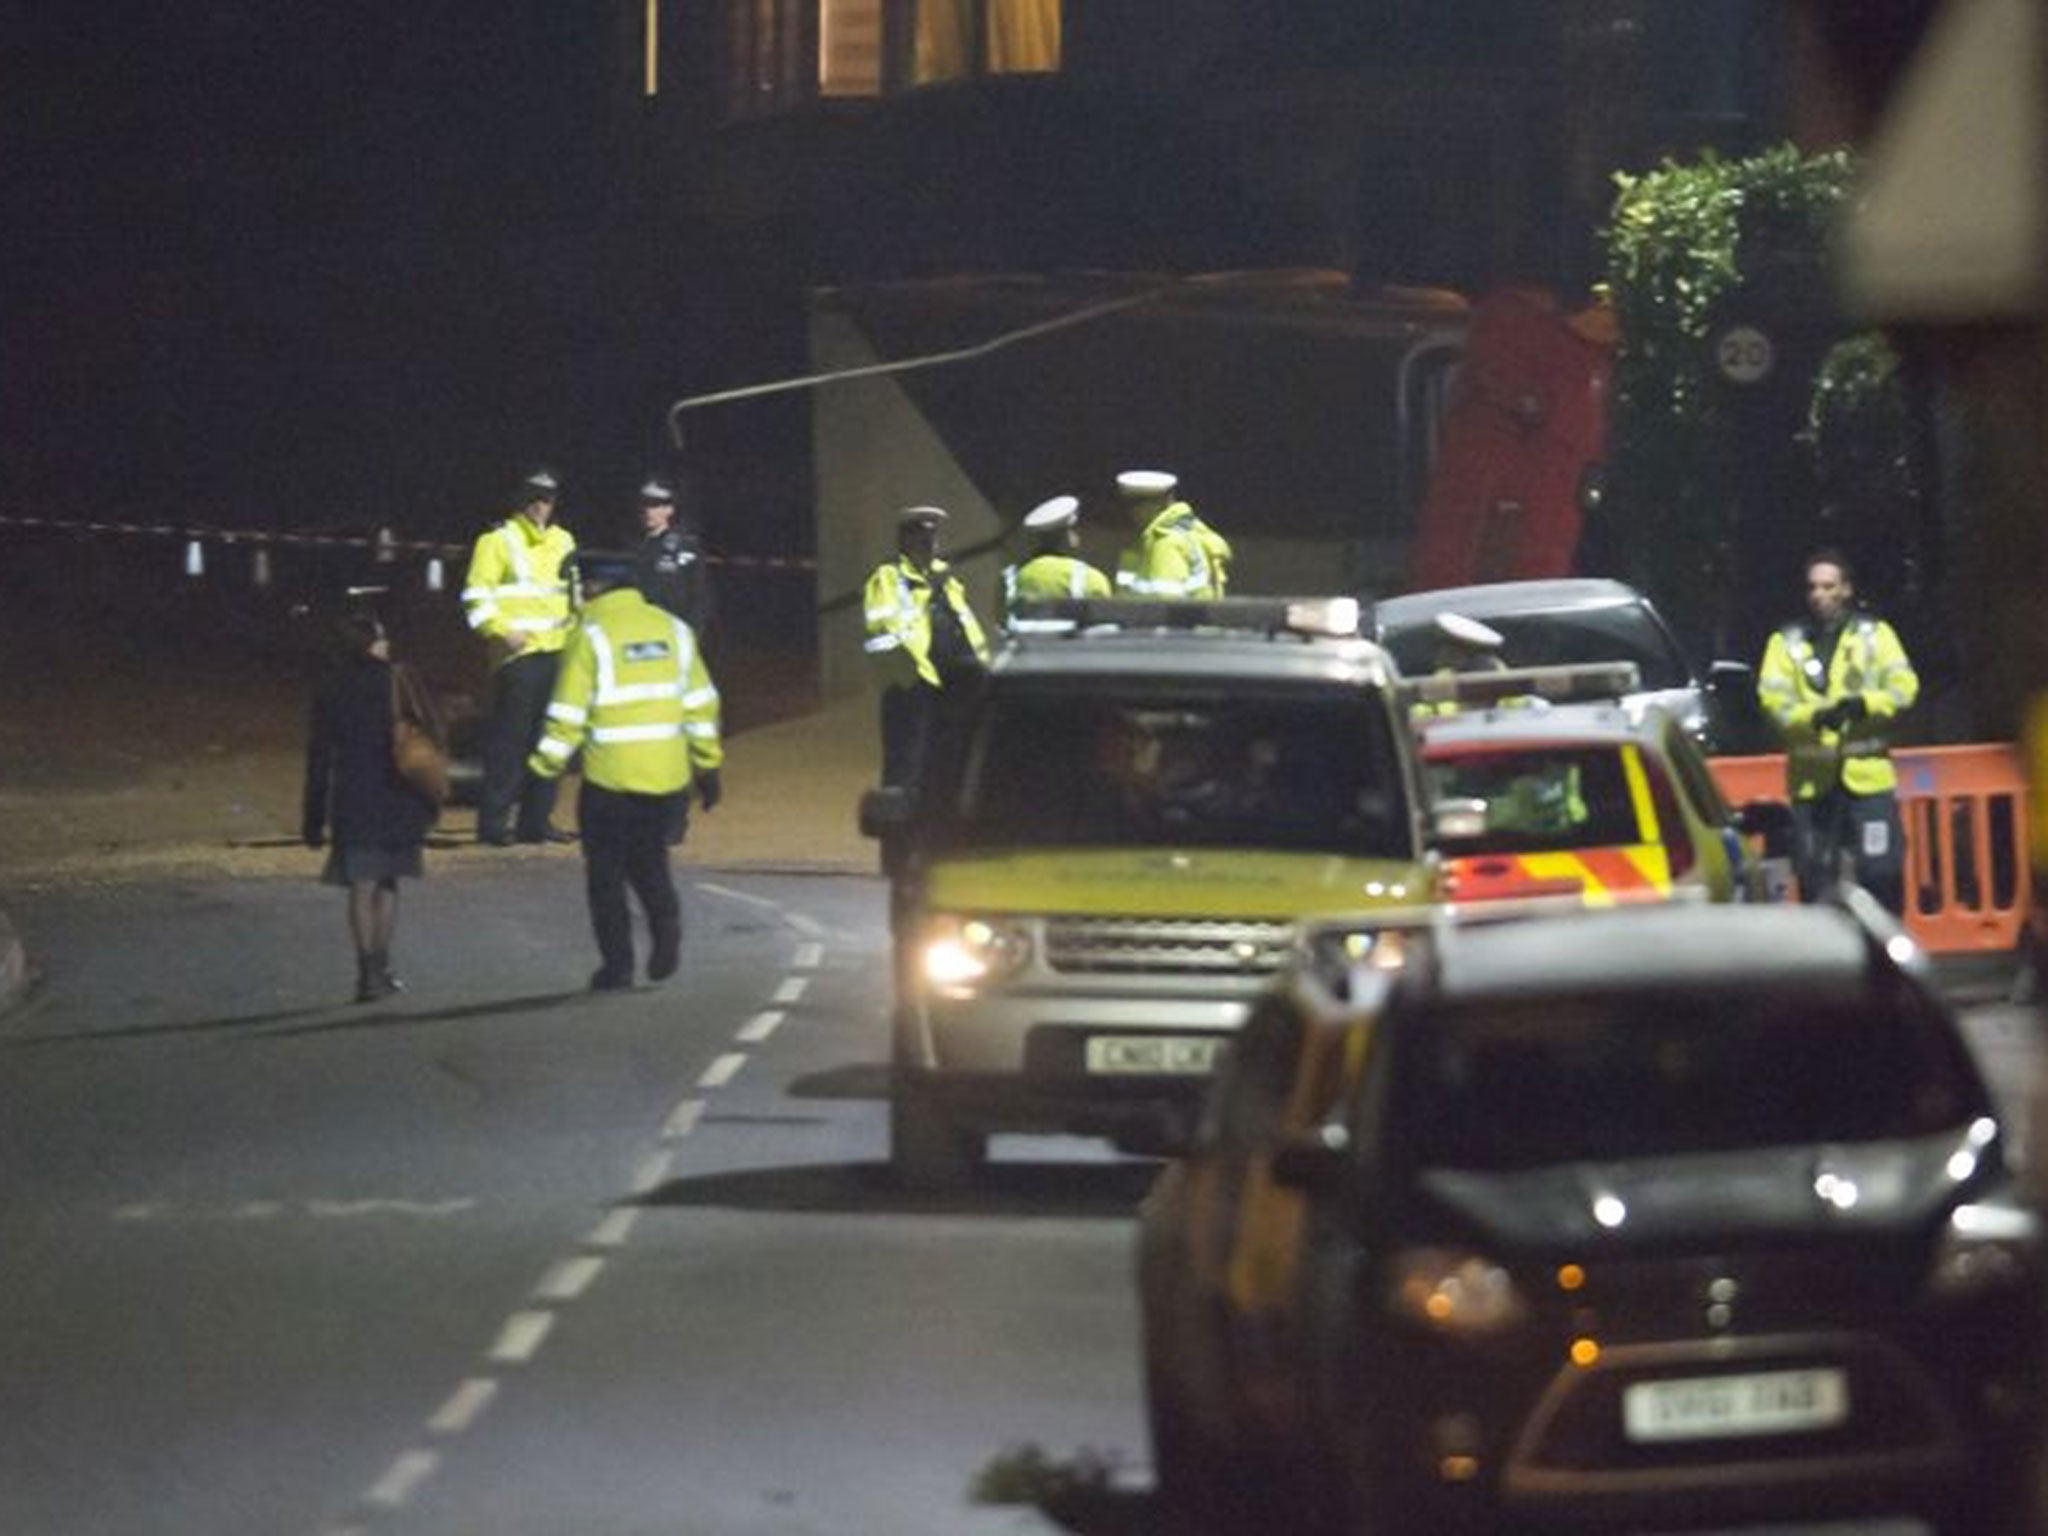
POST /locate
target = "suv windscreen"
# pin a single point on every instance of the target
(1569, 637)
(1504, 1084)
(1295, 769)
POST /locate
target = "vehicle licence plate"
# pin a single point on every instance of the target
(1713, 1407)
(1174, 1055)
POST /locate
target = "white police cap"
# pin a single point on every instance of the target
(1462, 630)
(1047, 516)
(1146, 482)
(542, 485)
(656, 493)
(926, 517)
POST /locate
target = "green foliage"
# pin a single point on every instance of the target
(1690, 248)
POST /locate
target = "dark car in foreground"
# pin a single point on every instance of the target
(1658, 1217)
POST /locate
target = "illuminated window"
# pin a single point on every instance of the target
(785, 54)
(1023, 36)
(850, 48)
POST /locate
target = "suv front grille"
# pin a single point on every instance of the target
(1158, 946)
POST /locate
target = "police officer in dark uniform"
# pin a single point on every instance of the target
(672, 572)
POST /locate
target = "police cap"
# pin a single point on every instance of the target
(1050, 516)
(1146, 482)
(921, 517)
(657, 493)
(541, 485)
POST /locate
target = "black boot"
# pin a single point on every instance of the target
(366, 979)
(387, 983)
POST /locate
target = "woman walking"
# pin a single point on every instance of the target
(378, 821)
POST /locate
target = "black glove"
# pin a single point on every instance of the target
(709, 790)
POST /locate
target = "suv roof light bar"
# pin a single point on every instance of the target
(1330, 616)
(1554, 685)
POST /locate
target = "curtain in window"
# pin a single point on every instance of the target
(850, 48)
(945, 28)
(1023, 36)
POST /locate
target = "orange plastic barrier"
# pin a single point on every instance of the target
(1965, 815)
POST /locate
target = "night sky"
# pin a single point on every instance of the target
(271, 264)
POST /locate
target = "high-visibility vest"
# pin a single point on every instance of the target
(634, 695)
(1177, 555)
(1049, 577)
(1793, 686)
(898, 612)
(520, 582)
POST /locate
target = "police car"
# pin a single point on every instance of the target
(1594, 792)
(1114, 847)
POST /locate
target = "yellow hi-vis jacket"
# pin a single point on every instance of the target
(898, 610)
(519, 582)
(1177, 555)
(634, 695)
(1049, 577)
(1870, 664)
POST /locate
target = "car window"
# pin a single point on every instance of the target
(1521, 1083)
(1300, 769)
(1540, 798)
(1572, 637)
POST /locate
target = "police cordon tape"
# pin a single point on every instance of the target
(386, 544)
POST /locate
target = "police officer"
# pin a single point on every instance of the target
(672, 572)
(1459, 644)
(1175, 554)
(923, 639)
(1053, 568)
(519, 596)
(634, 696)
(1836, 684)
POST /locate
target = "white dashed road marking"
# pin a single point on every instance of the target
(569, 1279)
(521, 1337)
(651, 1173)
(760, 1026)
(396, 1486)
(464, 1406)
(682, 1120)
(613, 1231)
(723, 1070)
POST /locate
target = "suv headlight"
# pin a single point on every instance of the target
(1452, 1291)
(1984, 1247)
(960, 954)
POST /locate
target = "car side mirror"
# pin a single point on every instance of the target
(1732, 677)
(1770, 820)
(1314, 1161)
(1452, 820)
(886, 810)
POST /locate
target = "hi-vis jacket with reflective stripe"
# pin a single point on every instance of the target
(634, 695)
(1049, 577)
(519, 582)
(1870, 664)
(898, 611)
(1178, 555)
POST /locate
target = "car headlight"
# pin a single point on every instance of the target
(960, 953)
(1453, 1291)
(1984, 1247)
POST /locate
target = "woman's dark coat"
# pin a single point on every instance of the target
(352, 789)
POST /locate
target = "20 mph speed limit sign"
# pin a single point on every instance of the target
(1744, 354)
